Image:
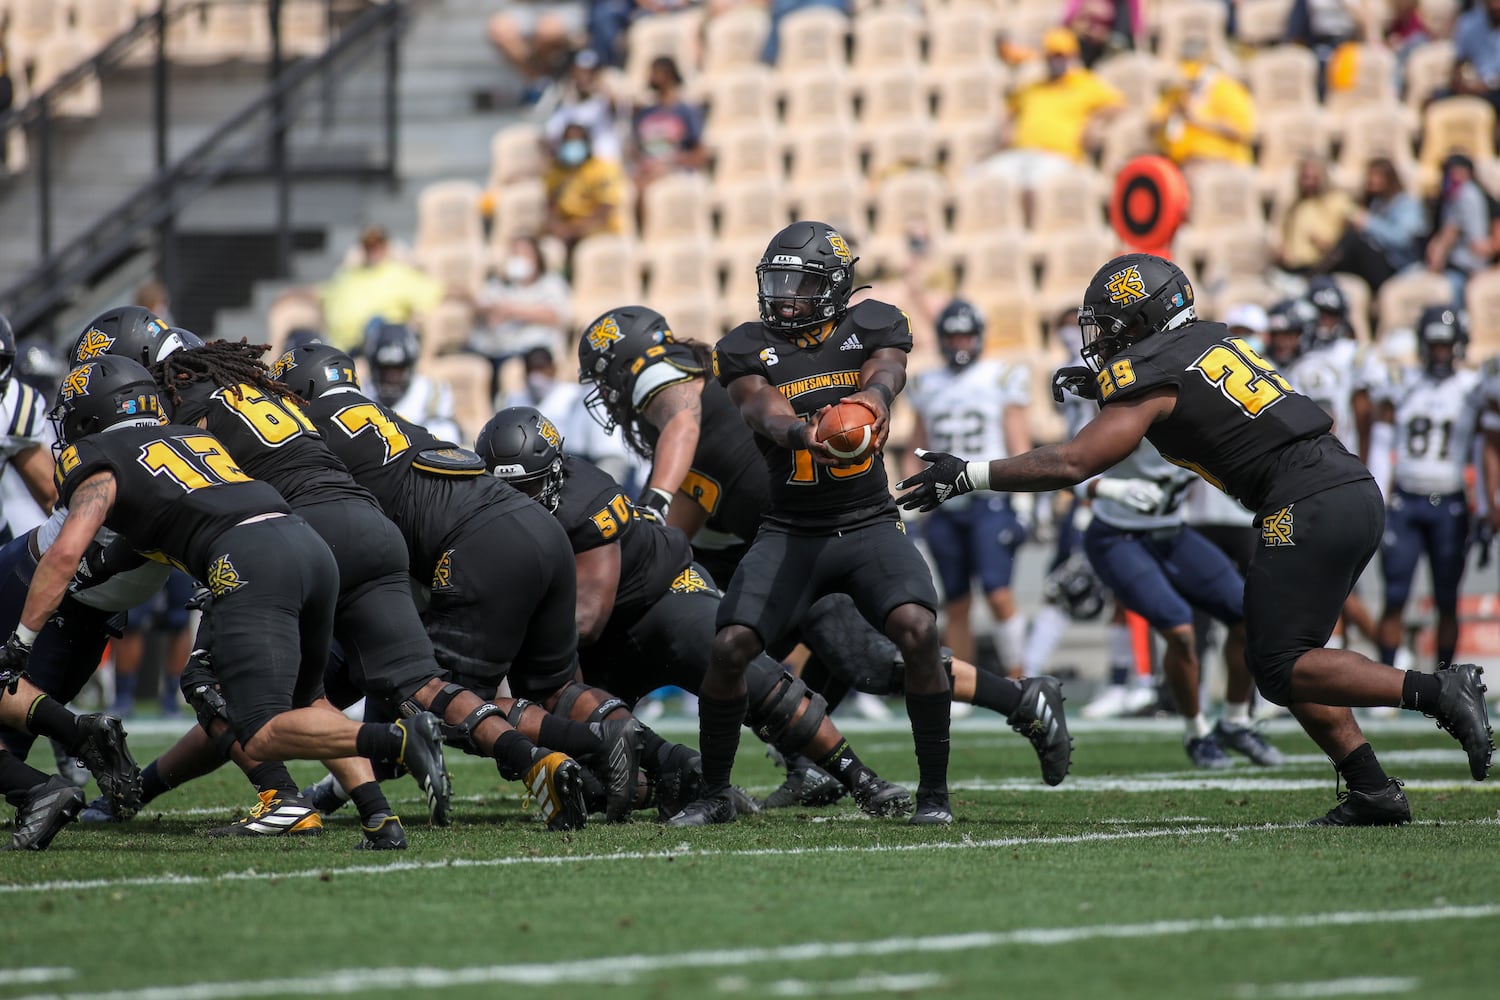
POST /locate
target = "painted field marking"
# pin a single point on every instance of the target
(625, 968)
(1354, 986)
(35, 974)
(859, 984)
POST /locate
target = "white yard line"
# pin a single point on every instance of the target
(625, 968)
(1356, 986)
(1194, 781)
(859, 984)
(35, 974)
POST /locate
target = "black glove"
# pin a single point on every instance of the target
(946, 477)
(656, 502)
(1077, 379)
(13, 658)
(100, 562)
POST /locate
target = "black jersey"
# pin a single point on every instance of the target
(431, 489)
(176, 490)
(272, 440)
(1238, 423)
(806, 496)
(595, 512)
(728, 476)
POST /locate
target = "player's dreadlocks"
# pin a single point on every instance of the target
(227, 365)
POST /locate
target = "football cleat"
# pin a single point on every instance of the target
(48, 808)
(710, 810)
(622, 760)
(98, 811)
(275, 815)
(382, 832)
(107, 757)
(878, 797)
(675, 789)
(1206, 754)
(327, 795)
(68, 766)
(806, 785)
(744, 802)
(1248, 741)
(1119, 700)
(1041, 720)
(555, 783)
(1462, 714)
(1387, 807)
(932, 809)
(422, 755)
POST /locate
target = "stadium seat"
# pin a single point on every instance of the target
(1223, 195)
(606, 267)
(744, 153)
(1287, 136)
(695, 317)
(826, 149)
(1069, 259)
(55, 56)
(679, 268)
(520, 210)
(1245, 250)
(1402, 299)
(515, 152)
(29, 23)
(812, 38)
(673, 34)
(469, 375)
(1140, 76)
(733, 40)
(887, 37)
(890, 95)
(1028, 20)
(1198, 20)
(1439, 15)
(1071, 201)
(963, 145)
(984, 204)
(304, 27)
(1261, 22)
(676, 206)
(1429, 68)
(815, 96)
(1482, 297)
(1372, 131)
(751, 208)
(968, 92)
(996, 265)
(1010, 327)
(833, 199)
(235, 32)
(898, 145)
(446, 328)
(737, 260)
(459, 267)
(1124, 137)
(961, 36)
(911, 197)
(1285, 76)
(1373, 81)
(101, 20)
(1239, 291)
(743, 96)
(448, 214)
(1456, 125)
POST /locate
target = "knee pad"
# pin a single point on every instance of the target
(208, 705)
(516, 711)
(461, 735)
(567, 697)
(772, 715)
(607, 706)
(443, 699)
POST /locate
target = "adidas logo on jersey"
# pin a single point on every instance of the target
(852, 344)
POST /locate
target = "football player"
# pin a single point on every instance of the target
(1435, 416)
(646, 609)
(22, 445)
(975, 404)
(1210, 403)
(392, 350)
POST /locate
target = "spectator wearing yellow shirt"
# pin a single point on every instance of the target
(1052, 116)
(1207, 115)
(585, 194)
(1315, 220)
(376, 286)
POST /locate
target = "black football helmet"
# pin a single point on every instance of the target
(314, 369)
(178, 339)
(1132, 297)
(1075, 588)
(1442, 326)
(127, 332)
(960, 333)
(7, 352)
(100, 394)
(1290, 326)
(524, 448)
(1332, 310)
(611, 353)
(392, 350)
(806, 277)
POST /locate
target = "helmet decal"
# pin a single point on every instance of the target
(603, 333)
(94, 343)
(1126, 286)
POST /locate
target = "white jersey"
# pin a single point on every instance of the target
(1327, 376)
(23, 419)
(120, 592)
(963, 410)
(429, 403)
(1146, 463)
(1435, 420)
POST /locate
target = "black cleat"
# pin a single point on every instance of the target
(932, 809)
(744, 802)
(710, 810)
(1387, 807)
(806, 785)
(878, 797)
(555, 783)
(675, 789)
(48, 808)
(1041, 720)
(1462, 714)
(622, 760)
(107, 757)
(1248, 741)
(422, 755)
(382, 832)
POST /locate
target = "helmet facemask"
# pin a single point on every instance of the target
(796, 298)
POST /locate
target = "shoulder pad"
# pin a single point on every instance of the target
(448, 462)
(880, 324)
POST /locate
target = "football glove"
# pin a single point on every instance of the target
(946, 476)
(1140, 495)
(1077, 379)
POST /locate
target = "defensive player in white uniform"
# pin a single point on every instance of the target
(1435, 414)
(975, 405)
(392, 350)
(24, 437)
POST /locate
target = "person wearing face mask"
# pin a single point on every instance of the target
(585, 102)
(524, 306)
(585, 194)
(1206, 114)
(667, 134)
(562, 399)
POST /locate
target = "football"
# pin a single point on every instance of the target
(848, 429)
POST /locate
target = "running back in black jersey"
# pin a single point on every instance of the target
(272, 440)
(1238, 423)
(595, 512)
(727, 477)
(176, 490)
(430, 488)
(806, 496)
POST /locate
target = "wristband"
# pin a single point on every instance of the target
(979, 474)
(26, 635)
(884, 391)
(799, 436)
(656, 499)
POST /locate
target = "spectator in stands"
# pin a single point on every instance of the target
(562, 402)
(1103, 27)
(153, 295)
(1050, 118)
(585, 194)
(375, 285)
(1322, 25)
(586, 102)
(1248, 320)
(1476, 50)
(1383, 234)
(1206, 114)
(780, 9)
(536, 38)
(667, 134)
(1461, 243)
(1315, 220)
(522, 308)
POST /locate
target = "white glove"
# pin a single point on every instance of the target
(1023, 505)
(1140, 495)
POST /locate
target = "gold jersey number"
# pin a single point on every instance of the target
(805, 470)
(193, 461)
(362, 417)
(1242, 375)
(271, 418)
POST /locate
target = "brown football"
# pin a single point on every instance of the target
(848, 429)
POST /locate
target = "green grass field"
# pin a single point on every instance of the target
(1138, 877)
